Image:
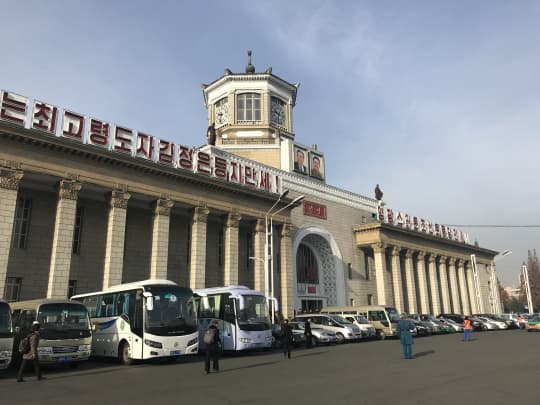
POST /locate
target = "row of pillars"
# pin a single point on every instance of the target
(445, 284)
(113, 265)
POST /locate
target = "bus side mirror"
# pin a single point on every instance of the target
(149, 301)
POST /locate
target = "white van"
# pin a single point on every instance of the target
(343, 329)
(367, 329)
(383, 318)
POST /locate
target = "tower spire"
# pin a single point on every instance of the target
(250, 69)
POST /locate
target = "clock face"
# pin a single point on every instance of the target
(278, 112)
(222, 112)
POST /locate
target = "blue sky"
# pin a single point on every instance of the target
(438, 102)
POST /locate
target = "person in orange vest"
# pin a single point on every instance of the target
(467, 329)
(521, 324)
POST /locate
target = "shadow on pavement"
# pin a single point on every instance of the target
(267, 363)
(421, 354)
(303, 354)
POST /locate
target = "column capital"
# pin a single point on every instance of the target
(119, 199)
(421, 254)
(10, 178)
(260, 225)
(396, 250)
(378, 247)
(69, 189)
(200, 214)
(408, 253)
(452, 261)
(233, 220)
(163, 206)
(431, 257)
(286, 230)
(442, 259)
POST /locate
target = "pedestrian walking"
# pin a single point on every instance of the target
(31, 354)
(404, 328)
(213, 347)
(286, 338)
(521, 324)
(308, 334)
(467, 329)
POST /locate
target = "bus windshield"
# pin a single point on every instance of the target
(255, 315)
(63, 321)
(5, 320)
(392, 314)
(173, 312)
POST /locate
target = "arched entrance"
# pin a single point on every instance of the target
(318, 270)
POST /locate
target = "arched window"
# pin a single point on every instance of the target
(248, 107)
(307, 269)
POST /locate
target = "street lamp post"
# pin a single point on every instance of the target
(494, 297)
(269, 247)
(525, 273)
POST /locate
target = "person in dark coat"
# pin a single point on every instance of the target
(213, 349)
(308, 334)
(404, 329)
(286, 338)
(32, 355)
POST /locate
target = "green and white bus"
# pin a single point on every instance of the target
(6, 335)
(142, 320)
(65, 335)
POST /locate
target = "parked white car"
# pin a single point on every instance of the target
(498, 324)
(367, 329)
(320, 335)
(488, 323)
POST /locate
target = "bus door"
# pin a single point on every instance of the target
(228, 328)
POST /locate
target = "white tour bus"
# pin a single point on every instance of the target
(6, 335)
(65, 334)
(142, 320)
(242, 316)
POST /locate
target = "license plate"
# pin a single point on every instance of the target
(175, 352)
(65, 359)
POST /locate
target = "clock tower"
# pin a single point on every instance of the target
(252, 115)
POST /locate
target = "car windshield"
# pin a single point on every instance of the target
(173, 312)
(63, 317)
(5, 319)
(254, 315)
(339, 319)
(392, 314)
(361, 319)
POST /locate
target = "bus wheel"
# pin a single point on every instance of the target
(124, 354)
(382, 336)
(340, 338)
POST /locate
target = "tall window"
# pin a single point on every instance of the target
(249, 247)
(12, 291)
(72, 288)
(248, 107)
(307, 270)
(21, 223)
(188, 243)
(77, 231)
(220, 247)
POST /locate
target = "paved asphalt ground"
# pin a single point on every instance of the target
(495, 368)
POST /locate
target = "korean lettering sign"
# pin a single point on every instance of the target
(118, 139)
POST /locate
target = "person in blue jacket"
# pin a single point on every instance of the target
(404, 329)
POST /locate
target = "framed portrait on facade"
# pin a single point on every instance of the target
(316, 165)
(300, 160)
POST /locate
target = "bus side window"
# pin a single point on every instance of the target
(228, 309)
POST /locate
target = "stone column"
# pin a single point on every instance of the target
(9, 186)
(409, 280)
(445, 297)
(197, 264)
(230, 264)
(434, 284)
(396, 280)
(422, 283)
(287, 276)
(62, 246)
(463, 288)
(470, 287)
(379, 250)
(259, 279)
(456, 307)
(116, 235)
(160, 238)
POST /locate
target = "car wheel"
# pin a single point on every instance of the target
(124, 354)
(381, 335)
(315, 341)
(340, 338)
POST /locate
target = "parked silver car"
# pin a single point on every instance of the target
(320, 336)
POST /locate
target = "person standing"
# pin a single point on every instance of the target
(521, 324)
(404, 328)
(286, 338)
(467, 329)
(213, 347)
(32, 354)
(308, 334)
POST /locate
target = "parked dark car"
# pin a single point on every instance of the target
(299, 338)
(457, 318)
